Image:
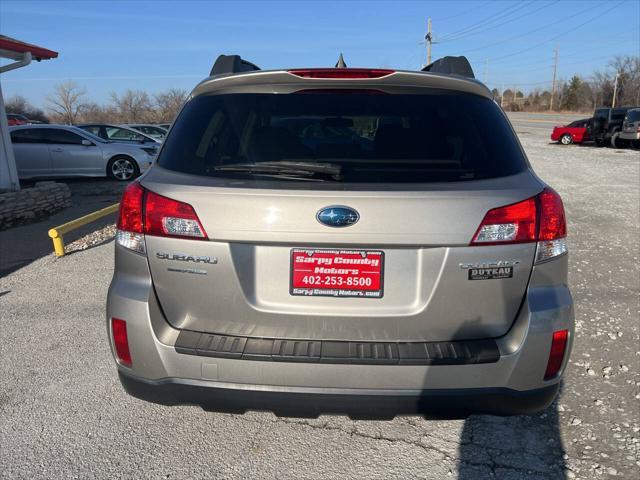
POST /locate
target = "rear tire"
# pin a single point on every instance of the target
(566, 139)
(122, 168)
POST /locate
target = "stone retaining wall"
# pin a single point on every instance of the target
(30, 204)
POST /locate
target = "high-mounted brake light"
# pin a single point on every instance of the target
(556, 354)
(121, 341)
(344, 73)
(538, 219)
(145, 212)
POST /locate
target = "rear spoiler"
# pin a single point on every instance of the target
(230, 64)
(451, 66)
(226, 64)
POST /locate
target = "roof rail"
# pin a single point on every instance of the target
(451, 66)
(231, 64)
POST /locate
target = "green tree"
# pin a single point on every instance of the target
(571, 94)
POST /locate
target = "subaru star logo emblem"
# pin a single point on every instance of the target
(337, 216)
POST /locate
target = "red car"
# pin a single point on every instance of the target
(16, 119)
(575, 132)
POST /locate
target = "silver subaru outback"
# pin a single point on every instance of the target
(365, 242)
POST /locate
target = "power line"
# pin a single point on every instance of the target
(479, 30)
(526, 33)
(457, 15)
(598, 16)
(581, 49)
(483, 22)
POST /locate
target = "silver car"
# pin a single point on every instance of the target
(154, 131)
(119, 133)
(359, 241)
(67, 151)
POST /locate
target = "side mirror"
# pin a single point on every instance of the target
(87, 143)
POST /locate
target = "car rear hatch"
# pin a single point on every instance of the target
(340, 215)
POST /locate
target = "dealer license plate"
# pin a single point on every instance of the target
(337, 273)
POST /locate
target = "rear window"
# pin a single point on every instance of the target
(343, 136)
(633, 116)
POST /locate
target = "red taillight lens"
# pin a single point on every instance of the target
(120, 341)
(514, 223)
(556, 355)
(540, 218)
(166, 217)
(130, 216)
(553, 223)
(341, 72)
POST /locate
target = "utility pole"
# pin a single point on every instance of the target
(428, 39)
(553, 84)
(615, 91)
(502, 96)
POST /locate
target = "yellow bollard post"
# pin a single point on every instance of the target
(57, 233)
(58, 242)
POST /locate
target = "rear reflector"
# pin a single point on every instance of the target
(556, 355)
(538, 219)
(120, 341)
(345, 73)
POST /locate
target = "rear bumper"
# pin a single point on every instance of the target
(311, 402)
(220, 379)
(629, 135)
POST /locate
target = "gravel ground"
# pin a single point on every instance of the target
(63, 413)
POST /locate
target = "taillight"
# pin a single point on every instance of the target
(556, 354)
(166, 217)
(120, 341)
(345, 73)
(144, 212)
(130, 227)
(515, 223)
(130, 216)
(538, 219)
(552, 232)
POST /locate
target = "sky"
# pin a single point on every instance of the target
(118, 45)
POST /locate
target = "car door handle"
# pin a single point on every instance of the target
(57, 150)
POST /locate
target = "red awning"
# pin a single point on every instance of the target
(13, 49)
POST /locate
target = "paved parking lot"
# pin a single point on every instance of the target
(64, 414)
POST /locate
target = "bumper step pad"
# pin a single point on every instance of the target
(345, 352)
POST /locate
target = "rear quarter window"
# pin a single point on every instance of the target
(438, 136)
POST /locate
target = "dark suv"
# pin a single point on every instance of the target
(606, 123)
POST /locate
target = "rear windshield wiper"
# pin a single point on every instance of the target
(286, 168)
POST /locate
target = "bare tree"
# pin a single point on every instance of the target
(133, 106)
(67, 101)
(168, 104)
(95, 113)
(18, 104)
(628, 70)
